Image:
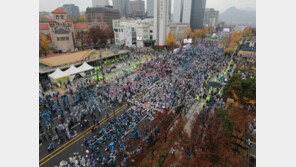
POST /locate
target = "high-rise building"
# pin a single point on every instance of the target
(189, 11)
(119, 5)
(186, 11)
(182, 11)
(101, 15)
(100, 3)
(211, 17)
(126, 7)
(150, 8)
(136, 8)
(169, 10)
(160, 21)
(71, 10)
(197, 13)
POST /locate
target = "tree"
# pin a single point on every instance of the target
(97, 36)
(84, 37)
(247, 32)
(188, 33)
(197, 33)
(43, 44)
(243, 88)
(110, 34)
(232, 40)
(82, 18)
(43, 19)
(170, 40)
(206, 31)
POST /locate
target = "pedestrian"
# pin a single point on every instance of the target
(56, 130)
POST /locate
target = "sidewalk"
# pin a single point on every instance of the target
(195, 108)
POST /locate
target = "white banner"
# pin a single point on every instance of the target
(128, 37)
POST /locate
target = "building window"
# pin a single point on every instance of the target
(133, 29)
(57, 17)
(151, 36)
(67, 38)
(151, 31)
(58, 38)
(115, 30)
(62, 16)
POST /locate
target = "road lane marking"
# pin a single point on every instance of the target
(73, 140)
(76, 137)
(122, 108)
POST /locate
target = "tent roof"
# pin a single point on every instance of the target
(71, 70)
(58, 73)
(84, 67)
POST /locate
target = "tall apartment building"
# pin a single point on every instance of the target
(119, 5)
(100, 3)
(150, 8)
(101, 14)
(211, 17)
(198, 8)
(182, 11)
(169, 10)
(189, 11)
(71, 10)
(160, 21)
(136, 8)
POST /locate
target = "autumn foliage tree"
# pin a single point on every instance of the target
(197, 33)
(97, 36)
(110, 34)
(247, 32)
(43, 44)
(188, 33)
(82, 18)
(232, 40)
(170, 40)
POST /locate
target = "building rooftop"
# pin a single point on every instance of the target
(59, 11)
(80, 25)
(64, 61)
(43, 26)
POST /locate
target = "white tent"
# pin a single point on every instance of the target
(57, 74)
(72, 70)
(84, 67)
(214, 35)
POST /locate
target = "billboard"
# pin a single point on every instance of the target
(128, 37)
(139, 38)
(226, 29)
(189, 40)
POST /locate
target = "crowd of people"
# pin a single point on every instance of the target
(166, 81)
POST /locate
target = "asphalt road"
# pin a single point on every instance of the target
(66, 149)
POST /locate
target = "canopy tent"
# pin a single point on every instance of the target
(214, 35)
(58, 73)
(84, 67)
(72, 70)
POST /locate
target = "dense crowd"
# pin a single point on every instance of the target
(165, 82)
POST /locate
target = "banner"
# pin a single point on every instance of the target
(128, 37)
